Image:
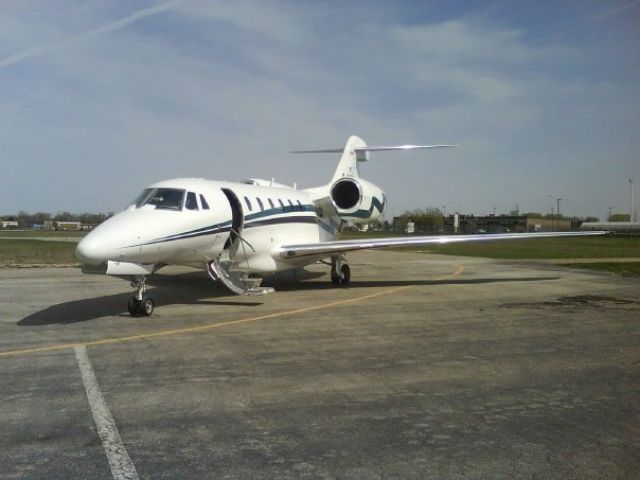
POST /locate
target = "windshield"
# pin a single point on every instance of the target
(138, 202)
(162, 198)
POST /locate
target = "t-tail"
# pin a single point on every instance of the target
(354, 198)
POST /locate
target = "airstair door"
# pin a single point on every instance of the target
(237, 223)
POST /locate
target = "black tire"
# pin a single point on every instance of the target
(345, 276)
(134, 307)
(146, 307)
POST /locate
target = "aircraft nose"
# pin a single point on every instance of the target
(89, 251)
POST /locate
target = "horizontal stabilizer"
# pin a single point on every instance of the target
(356, 150)
(327, 150)
(386, 148)
(374, 148)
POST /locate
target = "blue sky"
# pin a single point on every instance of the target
(99, 99)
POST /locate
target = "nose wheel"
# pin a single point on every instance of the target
(139, 305)
(140, 308)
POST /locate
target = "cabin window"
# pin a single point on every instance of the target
(260, 204)
(271, 203)
(281, 204)
(165, 199)
(291, 204)
(203, 202)
(192, 202)
(300, 205)
(248, 202)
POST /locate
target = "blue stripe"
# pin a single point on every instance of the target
(279, 210)
(226, 226)
(375, 202)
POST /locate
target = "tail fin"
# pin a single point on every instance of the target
(348, 165)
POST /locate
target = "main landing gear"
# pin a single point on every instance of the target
(340, 271)
(139, 305)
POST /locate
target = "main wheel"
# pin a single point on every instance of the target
(134, 307)
(345, 275)
(146, 307)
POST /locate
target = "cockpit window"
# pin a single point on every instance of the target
(192, 202)
(163, 199)
(142, 197)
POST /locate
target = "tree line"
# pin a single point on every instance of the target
(28, 220)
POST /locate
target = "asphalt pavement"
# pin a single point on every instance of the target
(426, 366)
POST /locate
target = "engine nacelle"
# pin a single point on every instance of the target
(357, 200)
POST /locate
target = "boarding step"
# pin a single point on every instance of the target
(238, 281)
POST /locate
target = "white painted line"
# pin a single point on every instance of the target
(121, 466)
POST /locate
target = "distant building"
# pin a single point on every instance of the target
(505, 224)
(9, 224)
(469, 224)
(411, 227)
(67, 225)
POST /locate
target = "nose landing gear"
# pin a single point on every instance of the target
(139, 305)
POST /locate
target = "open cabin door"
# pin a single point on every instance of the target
(229, 267)
(237, 222)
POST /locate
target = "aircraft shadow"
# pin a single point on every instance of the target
(196, 288)
(284, 287)
(191, 288)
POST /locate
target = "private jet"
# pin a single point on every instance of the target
(241, 232)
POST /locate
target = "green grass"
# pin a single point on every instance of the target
(542, 248)
(626, 269)
(40, 233)
(30, 252)
(547, 248)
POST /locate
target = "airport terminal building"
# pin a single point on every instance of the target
(506, 224)
(469, 224)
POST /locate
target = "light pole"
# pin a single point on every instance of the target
(609, 217)
(630, 201)
(558, 213)
(552, 197)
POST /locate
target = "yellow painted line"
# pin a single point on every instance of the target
(211, 326)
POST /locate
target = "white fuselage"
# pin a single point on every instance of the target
(196, 227)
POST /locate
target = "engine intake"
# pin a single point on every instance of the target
(357, 200)
(346, 194)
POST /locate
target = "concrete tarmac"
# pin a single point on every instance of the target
(426, 366)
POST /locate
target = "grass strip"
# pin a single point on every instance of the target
(626, 269)
(30, 252)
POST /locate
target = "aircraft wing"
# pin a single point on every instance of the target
(338, 246)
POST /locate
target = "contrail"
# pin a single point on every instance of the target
(91, 34)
